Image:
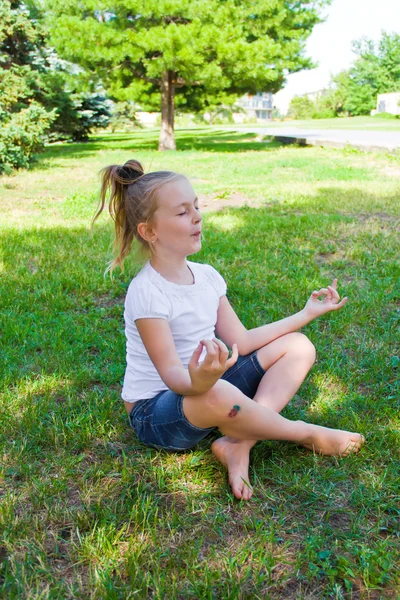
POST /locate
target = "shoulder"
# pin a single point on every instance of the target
(210, 275)
(146, 297)
(202, 268)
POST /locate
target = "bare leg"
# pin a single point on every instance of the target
(237, 416)
(288, 360)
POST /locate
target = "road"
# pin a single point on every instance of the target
(368, 140)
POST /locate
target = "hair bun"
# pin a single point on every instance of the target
(130, 172)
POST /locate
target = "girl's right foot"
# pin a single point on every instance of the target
(333, 442)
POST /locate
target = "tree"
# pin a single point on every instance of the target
(23, 121)
(375, 71)
(31, 72)
(301, 107)
(183, 53)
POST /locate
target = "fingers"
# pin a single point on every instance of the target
(321, 292)
(341, 303)
(217, 351)
(211, 350)
(334, 294)
(234, 357)
(195, 356)
(329, 291)
(223, 350)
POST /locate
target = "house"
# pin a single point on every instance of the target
(258, 105)
(388, 103)
(315, 95)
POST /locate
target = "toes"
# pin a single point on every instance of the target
(241, 489)
(247, 490)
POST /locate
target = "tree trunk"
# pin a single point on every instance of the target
(167, 138)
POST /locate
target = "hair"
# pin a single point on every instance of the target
(133, 200)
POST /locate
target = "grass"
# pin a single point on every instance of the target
(87, 511)
(365, 123)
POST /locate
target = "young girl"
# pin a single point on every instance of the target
(180, 383)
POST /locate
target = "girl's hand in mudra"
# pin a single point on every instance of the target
(205, 374)
(315, 307)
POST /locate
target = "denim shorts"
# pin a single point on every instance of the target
(159, 422)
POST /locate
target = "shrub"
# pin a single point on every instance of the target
(22, 135)
(386, 115)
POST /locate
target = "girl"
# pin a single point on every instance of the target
(179, 382)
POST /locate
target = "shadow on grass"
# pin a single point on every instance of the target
(215, 141)
(73, 451)
(64, 320)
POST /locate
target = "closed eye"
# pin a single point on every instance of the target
(184, 213)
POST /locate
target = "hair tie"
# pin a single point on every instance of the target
(130, 172)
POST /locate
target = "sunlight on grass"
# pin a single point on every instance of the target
(87, 510)
(226, 222)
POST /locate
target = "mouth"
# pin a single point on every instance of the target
(196, 235)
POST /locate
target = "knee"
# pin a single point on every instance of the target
(303, 346)
(217, 396)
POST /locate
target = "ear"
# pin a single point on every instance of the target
(146, 232)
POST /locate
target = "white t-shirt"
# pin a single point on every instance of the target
(191, 311)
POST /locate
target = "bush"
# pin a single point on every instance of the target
(386, 115)
(123, 117)
(23, 135)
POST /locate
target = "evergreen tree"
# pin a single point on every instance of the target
(23, 121)
(31, 72)
(183, 53)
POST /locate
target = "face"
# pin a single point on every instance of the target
(176, 225)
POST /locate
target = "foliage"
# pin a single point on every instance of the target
(354, 91)
(123, 116)
(206, 48)
(376, 71)
(34, 83)
(301, 107)
(23, 134)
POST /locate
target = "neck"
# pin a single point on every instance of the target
(174, 269)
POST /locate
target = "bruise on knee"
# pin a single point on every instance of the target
(234, 411)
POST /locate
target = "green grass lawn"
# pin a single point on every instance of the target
(86, 510)
(365, 123)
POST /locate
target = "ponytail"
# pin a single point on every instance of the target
(132, 200)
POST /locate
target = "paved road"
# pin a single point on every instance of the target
(335, 137)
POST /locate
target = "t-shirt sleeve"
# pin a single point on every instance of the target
(218, 281)
(145, 300)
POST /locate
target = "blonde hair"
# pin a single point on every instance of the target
(133, 200)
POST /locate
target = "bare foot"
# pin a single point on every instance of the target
(235, 457)
(333, 442)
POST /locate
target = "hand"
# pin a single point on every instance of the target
(315, 308)
(216, 362)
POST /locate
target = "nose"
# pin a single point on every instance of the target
(197, 216)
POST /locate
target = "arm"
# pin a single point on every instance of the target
(198, 378)
(157, 338)
(261, 336)
(230, 329)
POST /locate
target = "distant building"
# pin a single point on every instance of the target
(388, 103)
(314, 95)
(258, 105)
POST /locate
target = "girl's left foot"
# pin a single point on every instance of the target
(234, 455)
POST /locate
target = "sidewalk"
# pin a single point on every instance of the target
(334, 138)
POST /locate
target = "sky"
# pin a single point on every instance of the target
(330, 42)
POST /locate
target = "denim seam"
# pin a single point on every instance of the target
(257, 364)
(178, 435)
(136, 404)
(155, 424)
(238, 366)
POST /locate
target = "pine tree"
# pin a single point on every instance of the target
(183, 53)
